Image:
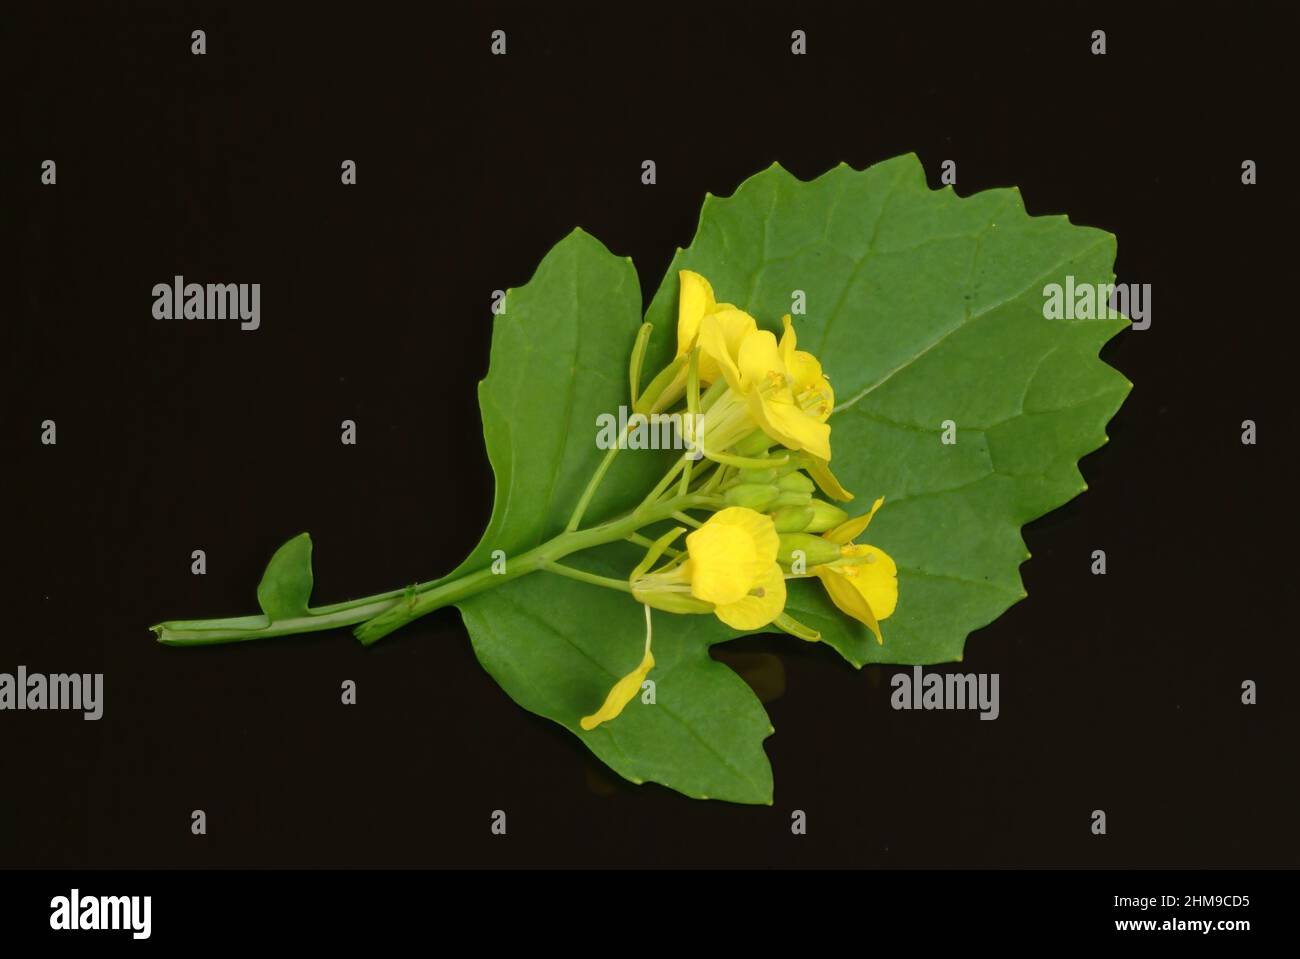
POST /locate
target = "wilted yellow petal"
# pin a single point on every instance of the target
(762, 604)
(625, 690)
(848, 531)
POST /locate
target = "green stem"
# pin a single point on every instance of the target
(537, 558)
(593, 484)
(664, 483)
(208, 632)
(583, 576)
(385, 612)
(693, 411)
(646, 541)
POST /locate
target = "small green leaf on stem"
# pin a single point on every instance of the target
(286, 585)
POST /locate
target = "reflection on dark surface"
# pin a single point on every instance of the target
(764, 672)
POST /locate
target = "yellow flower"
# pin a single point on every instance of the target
(729, 568)
(774, 386)
(867, 587)
(733, 566)
(625, 690)
(717, 328)
(812, 390)
(764, 381)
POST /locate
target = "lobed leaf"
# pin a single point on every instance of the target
(923, 307)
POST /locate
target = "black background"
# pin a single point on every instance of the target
(1119, 692)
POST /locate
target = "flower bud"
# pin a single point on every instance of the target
(796, 482)
(755, 444)
(816, 551)
(751, 495)
(825, 516)
(764, 477)
(793, 463)
(792, 519)
(671, 602)
(790, 498)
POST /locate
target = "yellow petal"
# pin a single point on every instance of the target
(876, 580)
(848, 531)
(622, 693)
(791, 426)
(848, 599)
(761, 529)
(788, 338)
(804, 369)
(721, 333)
(812, 390)
(625, 690)
(760, 365)
(762, 604)
(694, 301)
(730, 554)
(817, 399)
(868, 591)
(821, 473)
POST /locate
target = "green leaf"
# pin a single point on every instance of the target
(286, 585)
(559, 359)
(924, 307)
(557, 646)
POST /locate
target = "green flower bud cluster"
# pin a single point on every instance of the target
(782, 491)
